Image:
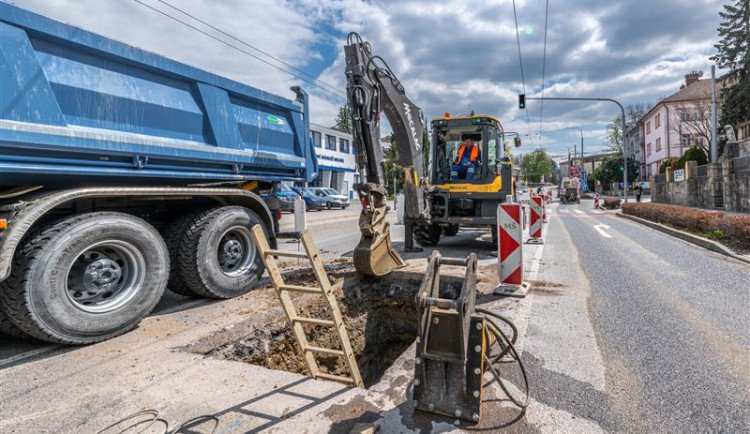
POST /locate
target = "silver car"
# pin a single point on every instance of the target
(332, 197)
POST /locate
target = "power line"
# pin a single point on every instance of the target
(544, 67)
(311, 82)
(250, 45)
(520, 61)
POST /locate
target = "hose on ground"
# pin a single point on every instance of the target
(151, 417)
(507, 348)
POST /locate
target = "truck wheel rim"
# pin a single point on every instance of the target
(236, 253)
(106, 276)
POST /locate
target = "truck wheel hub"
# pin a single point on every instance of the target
(236, 253)
(101, 275)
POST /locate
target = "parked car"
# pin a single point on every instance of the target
(286, 195)
(312, 202)
(333, 199)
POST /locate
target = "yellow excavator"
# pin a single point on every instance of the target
(436, 202)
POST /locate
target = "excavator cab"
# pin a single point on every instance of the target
(457, 200)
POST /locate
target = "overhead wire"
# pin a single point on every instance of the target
(544, 67)
(520, 61)
(243, 42)
(338, 93)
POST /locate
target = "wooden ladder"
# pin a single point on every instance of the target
(323, 289)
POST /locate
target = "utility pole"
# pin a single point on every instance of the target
(622, 110)
(714, 141)
(583, 166)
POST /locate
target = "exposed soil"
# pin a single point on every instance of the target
(379, 314)
(546, 289)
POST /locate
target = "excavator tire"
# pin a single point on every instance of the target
(427, 235)
(451, 229)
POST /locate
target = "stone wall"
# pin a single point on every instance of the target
(721, 189)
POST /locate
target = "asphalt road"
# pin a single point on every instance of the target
(672, 324)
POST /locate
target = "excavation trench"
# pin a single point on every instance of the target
(380, 318)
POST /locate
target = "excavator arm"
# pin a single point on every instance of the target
(372, 89)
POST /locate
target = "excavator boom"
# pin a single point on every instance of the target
(372, 89)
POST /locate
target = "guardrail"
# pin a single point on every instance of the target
(740, 165)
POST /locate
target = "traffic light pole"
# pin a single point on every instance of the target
(622, 135)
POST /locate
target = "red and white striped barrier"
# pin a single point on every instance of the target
(535, 217)
(510, 251)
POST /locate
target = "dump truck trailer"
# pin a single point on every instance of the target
(122, 173)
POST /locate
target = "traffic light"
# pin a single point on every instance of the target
(622, 168)
(517, 142)
(521, 101)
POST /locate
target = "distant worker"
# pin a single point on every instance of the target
(467, 160)
(638, 192)
(539, 190)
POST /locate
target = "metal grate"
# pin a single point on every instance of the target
(702, 171)
(660, 178)
(741, 164)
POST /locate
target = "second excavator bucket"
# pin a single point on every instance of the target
(374, 255)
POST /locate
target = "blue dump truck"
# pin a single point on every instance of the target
(123, 173)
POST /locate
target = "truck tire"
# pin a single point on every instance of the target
(451, 229)
(9, 329)
(427, 235)
(217, 257)
(173, 234)
(86, 279)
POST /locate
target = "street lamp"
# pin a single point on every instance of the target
(583, 166)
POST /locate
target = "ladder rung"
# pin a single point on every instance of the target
(335, 378)
(272, 252)
(315, 321)
(325, 351)
(308, 289)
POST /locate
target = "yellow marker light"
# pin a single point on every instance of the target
(3, 224)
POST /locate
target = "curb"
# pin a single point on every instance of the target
(690, 238)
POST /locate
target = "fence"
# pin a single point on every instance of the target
(701, 171)
(660, 178)
(741, 165)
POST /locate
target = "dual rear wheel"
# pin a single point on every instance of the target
(94, 276)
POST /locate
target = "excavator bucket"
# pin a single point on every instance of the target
(374, 255)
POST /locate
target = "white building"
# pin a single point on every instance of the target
(336, 160)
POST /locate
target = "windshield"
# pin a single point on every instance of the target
(308, 192)
(284, 187)
(330, 191)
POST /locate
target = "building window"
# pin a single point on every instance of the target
(316, 138)
(658, 144)
(685, 140)
(684, 114)
(344, 145)
(657, 122)
(699, 142)
(648, 149)
(648, 127)
(356, 178)
(697, 114)
(330, 142)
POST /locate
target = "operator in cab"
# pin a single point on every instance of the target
(467, 160)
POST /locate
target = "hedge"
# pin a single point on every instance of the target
(714, 224)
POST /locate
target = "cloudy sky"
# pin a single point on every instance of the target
(452, 55)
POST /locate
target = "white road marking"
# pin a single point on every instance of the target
(596, 211)
(562, 211)
(600, 229)
(578, 211)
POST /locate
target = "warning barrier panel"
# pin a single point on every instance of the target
(510, 250)
(535, 217)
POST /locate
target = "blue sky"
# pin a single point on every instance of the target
(451, 55)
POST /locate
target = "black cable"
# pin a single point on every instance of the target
(202, 419)
(150, 412)
(312, 83)
(520, 61)
(229, 35)
(508, 348)
(544, 67)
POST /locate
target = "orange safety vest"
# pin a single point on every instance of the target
(474, 153)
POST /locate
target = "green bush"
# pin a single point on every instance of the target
(693, 154)
(669, 162)
(713, 224)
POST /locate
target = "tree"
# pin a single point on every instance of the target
(611, 169)
(614, 134)
(343, 119)
(536, 164)
(734, 55)
(672, 162)
(634, 112)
